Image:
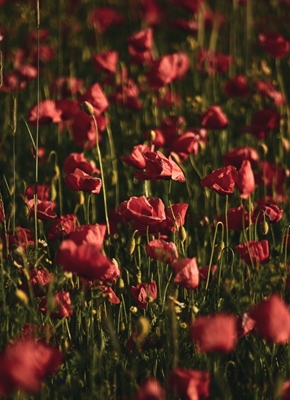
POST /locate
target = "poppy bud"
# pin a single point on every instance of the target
(218, 248)
(182, 234)
(264, 227)
(22, 296)
(81, 198)
(143, 326)
(88, 108)
(131, 245)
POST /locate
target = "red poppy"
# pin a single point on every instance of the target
(62, 305)
(161, 250)
(12, 82)
(175, 216)
(159, 167)
(152, 13)
(109, 294)
(43, 192)
(86, 260)
(78, 160)
(89, 233)
(212, 63)
(148, 211)
(39, 279)
(221, 180)
(44, 209)
(237, 155)
(269, 209)
(22, 237)
(214, 333)
(69, 108)
(83, 129)
(36, 332)
(267, 89)
(96, 97)
(150, 389)
(106, 61)
(272, 319)
(127, 94)
(144, 293)
(285, 390)
(79, 180)
(67, 86)
(214, 118)
(25, 364)
(187, 26)
(102, 18)
(246, 180)
(26, 72)
(273, 176)
(142, 40)
(237, 86)
(46, 112)
(163, 71)
(186, 272)
(62, 227)
(189, 384)
(245, 325)
(258, 252)
(274, 44)
(238, 219)
(263, 121)
(188, 143)
(203, 271)
(136, 159)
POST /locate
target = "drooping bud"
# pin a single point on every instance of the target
(88, 108)
(218, 249)
(264, 227)
(182, 234)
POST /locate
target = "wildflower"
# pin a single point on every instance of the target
(272, 319)
(189, 384)
(186, 272)
(163, 251)
(61, 305)
(67, 86)
(245, 181)
(238, 218)
(221, 180)
(96, 97)
(268, 208)
(44, 209)
(263, 121)
(83, 129)
(188, 143)
(150, 389)
(267, 89)
(25, 364)
(253, 251)
(214, 118)
(106, 61)
(39, 279)
(45, 112)
(78, 160)
(274, 44)
(136, 159)
(102, 18)
(212, 63)
(237, 87)
(142, 40)
(89, 233)
(79, 180)
(62, 227)
(144, 293)
(214, 333)
(237, 155)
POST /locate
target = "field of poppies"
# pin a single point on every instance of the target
(144, 199)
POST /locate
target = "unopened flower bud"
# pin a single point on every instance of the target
(143, 326)
(151, 136)
(218, 249)
(88, 108)
(182, 234)
(264, 228)
(263, 148)
(22, 296)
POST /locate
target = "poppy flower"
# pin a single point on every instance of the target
(67, 86)
(44, 209)
(188, 143)
(163, 71)
(83, 129)
(263, 121)
(175, 216)
(78, 160)
(237, 155)
(39, 279)
(151, 12)
(189, 383)
(148, 211)
(237, 87)
(245, 325)
(79, 180)
(285, 390)
(89, 233)
(69, 108)
(21, 237)
(269, 209)
(161, 250)
(106, 61)
(142, 40)
(96, 97)
(86, 260)
(272, 319)
(221, 180)
(271, 175)
(36, 332)
(238, 219)
(62, 305)
(203, 271)
(150, 389)
(213, 118)
(25, 364)
(186, 272)
(214, 333)
(127, 94)
(45, 112)
(258, 252)
(267, 89)
(246, 180)
(136, 159)
(159, 167)
(274, 44)
(43, 192)
(144, 293)
(109, 294)
(212, 63)
(102, 18)
(62, 227)
(26, 72)
(187, 26)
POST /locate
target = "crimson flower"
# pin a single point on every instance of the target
(150, 389)
(272, 319)
(189, 384)
(25, 364)
(62, 305)
(258, 252)
(161, 250)
(62, 227)
(86, 260)
(39, 279)
(214, 118)
(159, 167)
(144, 293)
(263, 121)
(44, 209)
(47, 111)
(79, 180)
(136, 159)
(221, 180)
(175, 216)
(238, 218)
(188, 143)
(89, 233)
(142, 40)
(83, 129)
(267, 89)
(285, 390)
(273, 176)
(106, 61)
(212, 63)
(246, 180)
(268, 208)
(78, 160)
(96, 97)
(127, 94)
(274, 44)
(42, 192)
(102, 18)
(214, 333)
(186, 272)
(109, 294)
(67, 86)
(237, 155)
(237, 87)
